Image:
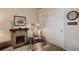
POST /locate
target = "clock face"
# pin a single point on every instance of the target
(72, 15)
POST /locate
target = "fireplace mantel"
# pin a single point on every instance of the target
(19, 29)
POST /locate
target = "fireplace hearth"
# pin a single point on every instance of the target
(19, 37)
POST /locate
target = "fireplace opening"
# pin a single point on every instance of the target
(20, 39)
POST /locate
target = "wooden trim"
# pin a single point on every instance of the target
(19, 29)
(5, 44)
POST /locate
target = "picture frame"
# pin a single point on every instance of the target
(19, 20)
(72, 23)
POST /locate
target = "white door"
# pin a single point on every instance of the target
(60, 27)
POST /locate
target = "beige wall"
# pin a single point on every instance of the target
(71, 33)
(8, 14)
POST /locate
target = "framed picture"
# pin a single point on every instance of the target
(19, 21)
(72, 23)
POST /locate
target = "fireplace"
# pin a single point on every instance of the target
(19, 37)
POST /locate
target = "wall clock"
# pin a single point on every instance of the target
(72, 15)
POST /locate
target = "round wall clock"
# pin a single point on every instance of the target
(72, 15)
